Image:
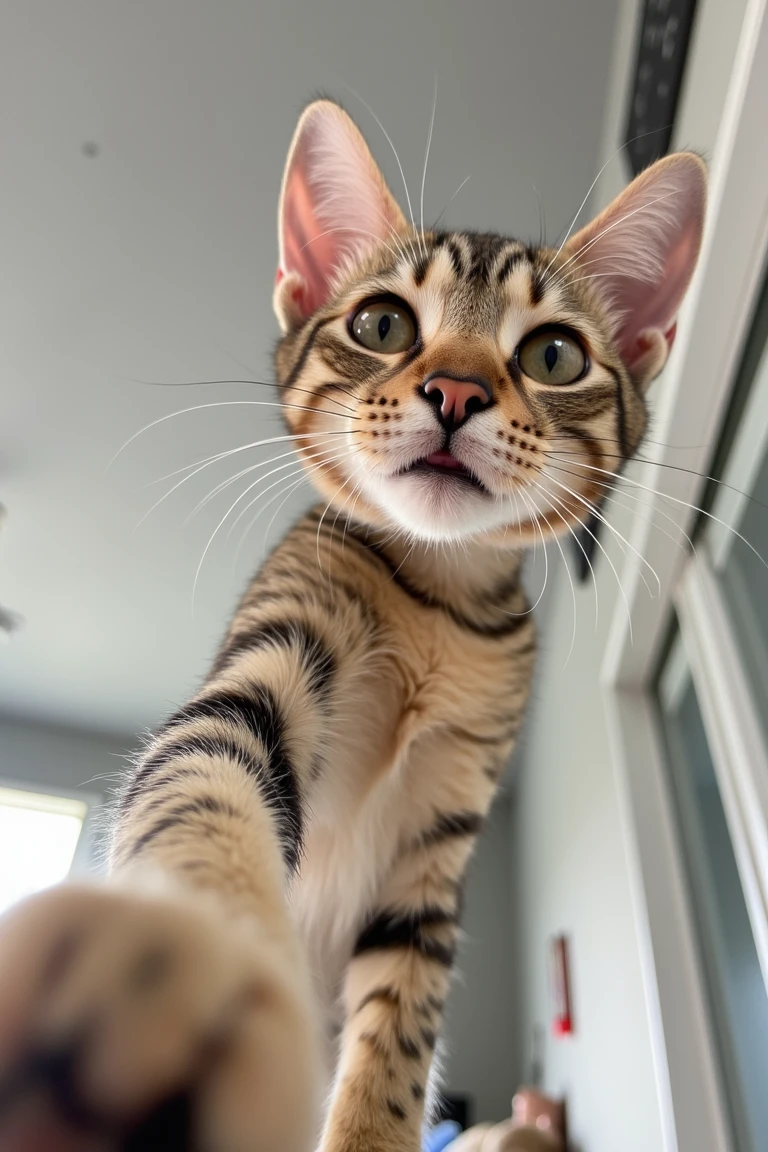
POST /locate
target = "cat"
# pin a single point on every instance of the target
(267, 965)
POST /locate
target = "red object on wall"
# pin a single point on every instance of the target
(562, 1020)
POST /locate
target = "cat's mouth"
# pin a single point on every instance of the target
(444, 464)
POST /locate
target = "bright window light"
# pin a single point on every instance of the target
(38, 838)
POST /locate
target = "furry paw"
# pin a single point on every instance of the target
(134, 1021)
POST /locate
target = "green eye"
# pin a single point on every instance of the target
(550, 356)
(384, 326)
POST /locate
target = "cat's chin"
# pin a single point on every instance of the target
(435, 506)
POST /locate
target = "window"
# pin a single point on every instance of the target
(686, 690)
(735, 986)
(713, 699)
(38, 839)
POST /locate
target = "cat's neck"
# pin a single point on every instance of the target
(467, 572)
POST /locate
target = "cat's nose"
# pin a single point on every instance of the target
(456, 400)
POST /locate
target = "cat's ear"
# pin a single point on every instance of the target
(642, 251)
(334, 204)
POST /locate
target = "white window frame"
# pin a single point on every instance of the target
(696, 387)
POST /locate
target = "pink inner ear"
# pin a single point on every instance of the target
(643, 249)
(305, 250)
(656, 305)
(334, 203)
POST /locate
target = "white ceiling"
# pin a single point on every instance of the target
(154, 260)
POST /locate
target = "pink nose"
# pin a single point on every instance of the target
(455, 397)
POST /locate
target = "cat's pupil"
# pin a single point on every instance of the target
(384, 325)
(550, 356)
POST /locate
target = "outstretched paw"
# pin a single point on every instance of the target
(130, 1021)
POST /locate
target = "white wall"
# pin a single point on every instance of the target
(568, 857)
(481, 1027)
(63, 758)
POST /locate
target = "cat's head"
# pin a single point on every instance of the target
(455, 384)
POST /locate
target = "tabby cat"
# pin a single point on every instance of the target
(267, 966)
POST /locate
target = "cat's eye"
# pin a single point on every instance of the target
(384, 326)
(551, 356)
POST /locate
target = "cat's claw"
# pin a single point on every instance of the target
(131, 1021)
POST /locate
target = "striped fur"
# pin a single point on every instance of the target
(291, 847)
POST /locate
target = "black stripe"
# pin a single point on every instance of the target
(509, 265)
(453, 251)
(537, 286)
(337, 386)
(420, 269)
(299, 365)
(485, 248)
(515, 375)
(391, 930)
(396, 1109)
(258, 713)
(429, 1006)
(451, 825)
(408, 1047)
(417, 1091)
(179, 749)
(506, 627)
(505, 588)
(429, 1037)
(203, 805)
(527, 649)
(386, 995)
(161, 801)
(621, 413)
(317, 660)
(362, 547)
(321, 594)
(349, 363)
(484, 741)
(376, 1042)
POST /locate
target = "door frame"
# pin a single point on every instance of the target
(697, 385)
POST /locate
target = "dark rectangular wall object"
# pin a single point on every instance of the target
(662, 47)
(663, 37)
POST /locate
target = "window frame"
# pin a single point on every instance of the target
(691, 410)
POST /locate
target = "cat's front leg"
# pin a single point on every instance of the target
(170, 1008)
(395, 991)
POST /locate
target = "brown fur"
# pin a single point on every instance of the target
(289, 852)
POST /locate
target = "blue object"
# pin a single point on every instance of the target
(438, 1138)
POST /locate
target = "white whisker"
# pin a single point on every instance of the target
(300, 467)
(215, 533)
(426, 159)
(201, 407)
(610, 228)
(249, 383)
(343, 228)
(599, 516)
(590, 191)
(679, 501)
(343, 484)
(392, 146)
(224, 484)
(584, 552)
(533, 515)
(589, 532)
(450, 201)
(220, 456)
(610, 493)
